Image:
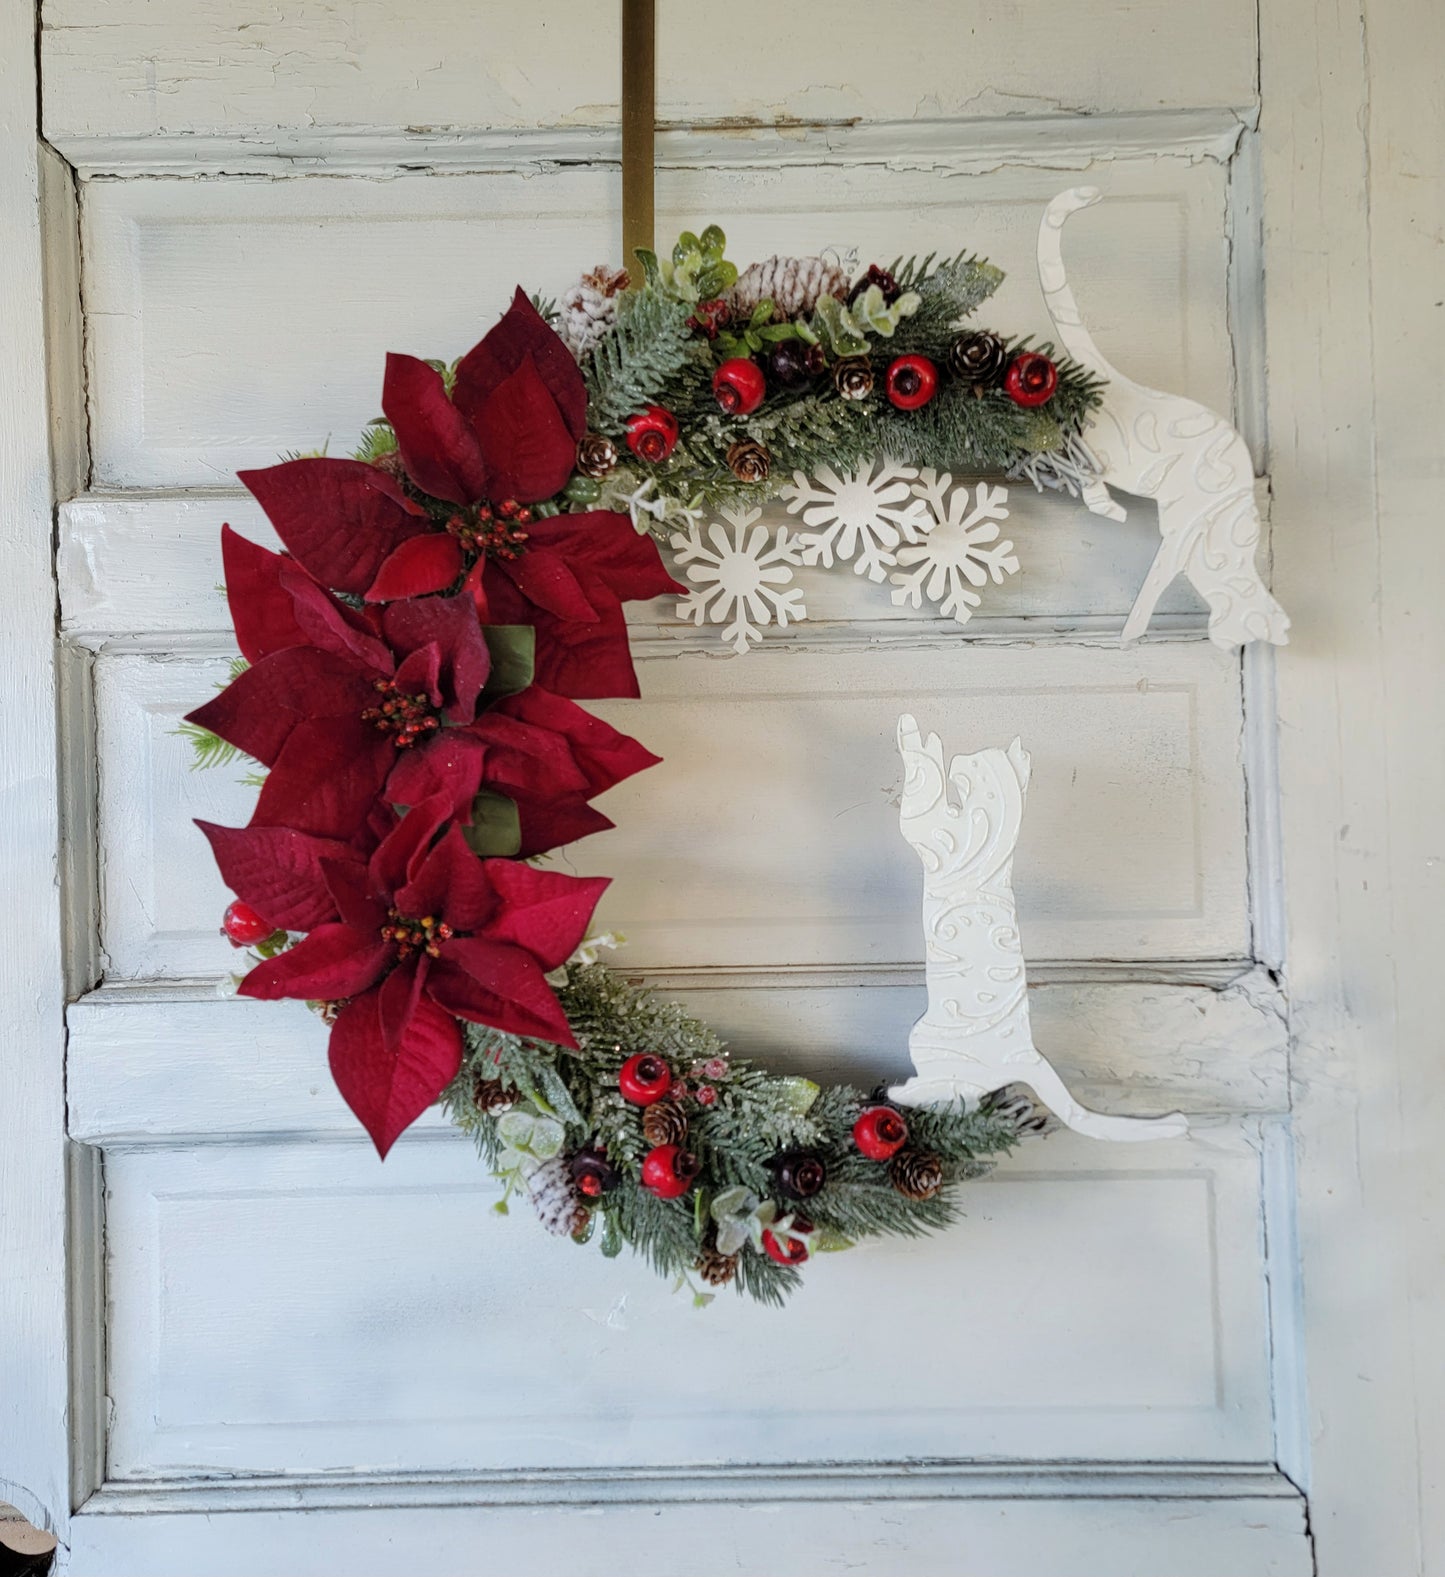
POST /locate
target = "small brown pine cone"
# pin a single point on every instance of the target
(717, 1270)
(492, 1096)
(749, 461)
(918, 1174)
(596, 456)
(663, 1123)
(853, 378)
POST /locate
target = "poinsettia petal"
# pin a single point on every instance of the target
(527, 446)
(350, 888)
(261, 608)
(523, 758)
(448, 882)
(258, 711)
(604, 753)
(500, 986)
(338, 518)
(603, 545)
(438, 447)
(387, 1091)
(418, 566)
(544, 911)
(453, 624)
(398, 997)
(333, 962)
(278, 871)
(405, 847)
(449, 764)
(420, 673)
(331, 625)
(545, 580)
(586, 661)
(551, 824)
(325, 778)
(522, 332)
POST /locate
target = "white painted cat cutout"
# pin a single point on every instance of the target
(1194, 465)
(975, 1036)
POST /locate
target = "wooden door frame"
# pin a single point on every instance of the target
(1347, 95)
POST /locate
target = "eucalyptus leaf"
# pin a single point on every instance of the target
(514, 1128)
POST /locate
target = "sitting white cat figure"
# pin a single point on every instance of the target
(975, 1036)
(1194, 465)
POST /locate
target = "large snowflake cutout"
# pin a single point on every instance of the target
(742, 577)
(959, 551)
(863, 517)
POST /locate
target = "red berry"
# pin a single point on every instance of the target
(243, 927)
(1031, 379)
(706, 1095)
(788, 1250)
(644, 1079)
(739, 386)
(668, 1171)
(880, 1133)
(652, 434)
(912, 381)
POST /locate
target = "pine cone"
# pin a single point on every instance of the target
(1016, 1105)
(492, 1096)
(664, 1123)
(749, 461)
(792, 284)
(916, 1173)
(589, 308)
(717, 1270)
(596, 455)
(853, 378)
(555, 1198)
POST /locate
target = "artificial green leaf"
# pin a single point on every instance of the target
(611, 1236)
(778, 331)
(651, 270)
(720, 276)
(699, 1212)
(700, 1300)
(514, 1128)
(495, 831)
(584, 1233)
(828, 1240)
(799, 1094)
(805, 333)
(583, 490)
(512, 648)
(762, 313)
(547, 1139)
(844, 336)
(686, 245)
(713, 241)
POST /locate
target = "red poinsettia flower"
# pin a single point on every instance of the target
(425, 934)
(503, 439)
(336, 699)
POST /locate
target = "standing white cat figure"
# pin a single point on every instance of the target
(1188, 459)
(975, 1036)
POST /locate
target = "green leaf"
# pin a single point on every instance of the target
(828, 1240)
(513, 651)
(762, 313)
(651, 269)
(713, 241)
(496, 828)
(686, 245)
(799, 1094)
(838, 327)
(778, 331)
(611, 1244)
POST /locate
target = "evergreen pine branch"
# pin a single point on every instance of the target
(644, 352)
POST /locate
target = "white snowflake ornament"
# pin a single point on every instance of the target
(863, 517)
(741, 577)
(960, 549)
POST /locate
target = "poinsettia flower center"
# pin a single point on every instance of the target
(498, 531)
(409, 719)
(415, 936)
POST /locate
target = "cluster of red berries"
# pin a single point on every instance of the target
(498, 532)
(413, 936)
(409, 718)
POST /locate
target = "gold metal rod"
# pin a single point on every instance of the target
(639, 117)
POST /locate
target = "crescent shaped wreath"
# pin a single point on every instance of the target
(409, 677)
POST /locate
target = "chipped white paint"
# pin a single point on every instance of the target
(1188, 459)
(963, 818)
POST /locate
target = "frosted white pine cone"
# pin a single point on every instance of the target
(589, 308)
(555, 1198)
(793, 284)
(1013, 1102)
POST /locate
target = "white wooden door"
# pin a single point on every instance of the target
(233, 1340)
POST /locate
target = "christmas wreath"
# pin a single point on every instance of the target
(409, 679)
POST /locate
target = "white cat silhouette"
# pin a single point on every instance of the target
(1194, 465)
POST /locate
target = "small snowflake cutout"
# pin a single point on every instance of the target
(862, 517)
(739, 577)
(959, 551)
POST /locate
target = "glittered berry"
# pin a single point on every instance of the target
(644, 1079)
(593, 1173)
(652, 434)
(668, 1171)
(739, 386)
(1031, 379)
(912, 382)
(799, 1174)
(243, 927)
(789, 1249)
(788, 363)
(876, 276)
(880, 1133)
